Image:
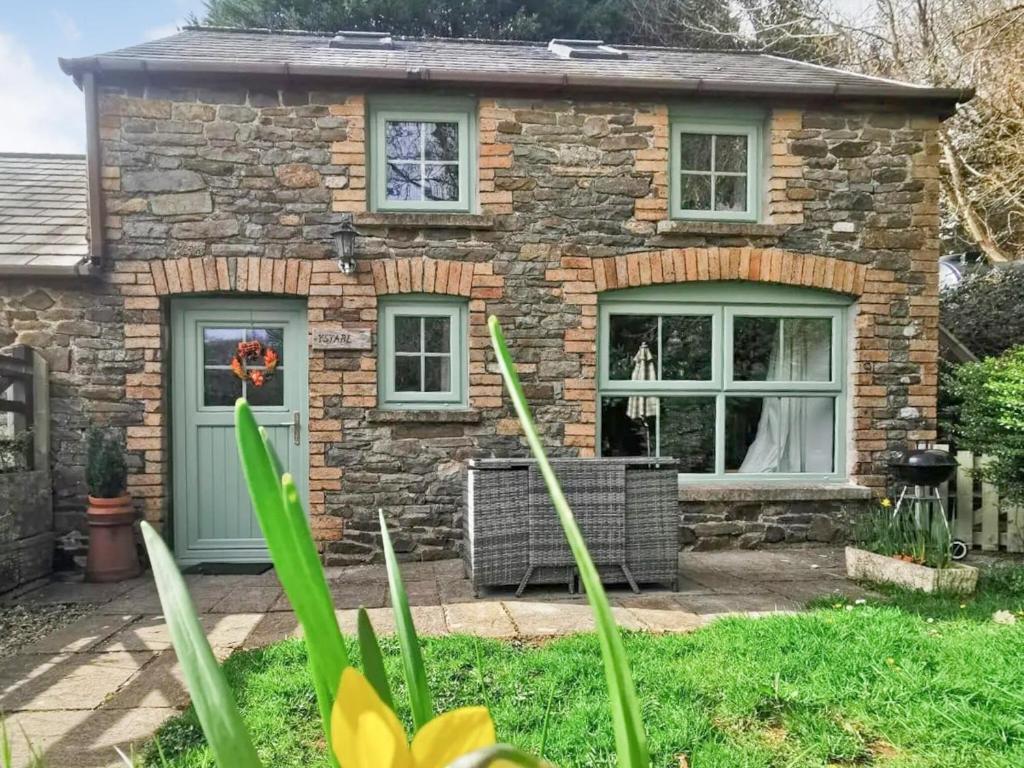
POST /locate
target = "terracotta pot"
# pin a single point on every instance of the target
(113, 555)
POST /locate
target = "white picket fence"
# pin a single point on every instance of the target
(982, 519)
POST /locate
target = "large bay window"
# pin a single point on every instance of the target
(737, 380)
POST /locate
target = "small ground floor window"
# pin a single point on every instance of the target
(728, 379)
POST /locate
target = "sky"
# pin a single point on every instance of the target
(43, 109)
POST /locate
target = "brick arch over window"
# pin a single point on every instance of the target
(243, 275)
(769, 265)
(437, 276)
(583, 279)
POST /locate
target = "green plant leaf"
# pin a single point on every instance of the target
(373, 660)
(630, 740)
(290, 541)
(275, 460)
(412, 658)
(214, 705)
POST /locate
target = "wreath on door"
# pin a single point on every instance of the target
(255, 353)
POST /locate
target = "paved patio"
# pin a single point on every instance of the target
(111, 678)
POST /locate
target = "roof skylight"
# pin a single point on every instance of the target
(584, 49)
(354, 39)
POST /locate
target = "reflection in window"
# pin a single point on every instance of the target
(713, 171)
(782, 349)
(659, 347)
(422, 160)
(221, 387)
(779, 434)
(643, 425)
(422, 356)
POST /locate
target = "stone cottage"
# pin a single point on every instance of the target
(728, 258)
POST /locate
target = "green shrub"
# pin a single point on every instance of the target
(990, 419)
(106, 473)
(983, 310)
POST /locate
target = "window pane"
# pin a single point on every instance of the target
(402, 140)
(437, 331)
(403, 181)
(686, 348)
(730, 193)
(779, 434)
(629, 426)
(782, 349)
(695, 151)
(272, 337)
(407, 373)
(441, 182)
(627, 335)
(220, 344)
(731, 153)
(407, 333)
(442, 141)
(271, 393)
(436, 373)
(688, 432)
(695, 192)
(220, 387)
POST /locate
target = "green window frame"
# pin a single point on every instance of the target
(749, 126)
(423, 308)
(462, 112)
(725, 304)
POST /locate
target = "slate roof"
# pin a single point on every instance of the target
(209, 50)
(43, 214)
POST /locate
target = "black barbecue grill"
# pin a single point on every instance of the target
(929, 467)
(922, 472)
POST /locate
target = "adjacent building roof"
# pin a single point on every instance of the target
(43, 219)
(211, 51)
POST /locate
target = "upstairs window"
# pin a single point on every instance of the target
(422, 160)
(716, 169)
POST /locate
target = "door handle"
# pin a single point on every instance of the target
(296, 425)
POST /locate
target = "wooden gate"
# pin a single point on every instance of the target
(983, 520)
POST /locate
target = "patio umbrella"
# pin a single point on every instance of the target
(640, 407)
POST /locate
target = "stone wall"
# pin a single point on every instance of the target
(237, 190)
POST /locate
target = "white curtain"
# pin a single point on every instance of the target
(795, 433)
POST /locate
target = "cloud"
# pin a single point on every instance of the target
(164, 30)
(46, 112)
(65, 24)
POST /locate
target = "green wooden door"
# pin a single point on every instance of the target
(213, 518)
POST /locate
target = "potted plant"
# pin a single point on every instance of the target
(113, 555)
(909, 548)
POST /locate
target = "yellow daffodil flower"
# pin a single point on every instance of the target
(365, 733)
(886, 503)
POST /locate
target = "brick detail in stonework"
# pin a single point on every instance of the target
(351, 153)
(582, 280)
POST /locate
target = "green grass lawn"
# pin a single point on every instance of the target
(910, 680)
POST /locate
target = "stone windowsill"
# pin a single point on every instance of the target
(439, 415)
(726, 228)
(769, 492)
(424, 220)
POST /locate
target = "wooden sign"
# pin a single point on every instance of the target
(341, 338)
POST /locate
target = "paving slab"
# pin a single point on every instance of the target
(485, 618)
(662, 620)
(84, 738)
(224, 631)
(272, 628)
(160, 684)
(68, 681)
(244, 598)
(82, 635)
(536, 619)
(429, 620)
